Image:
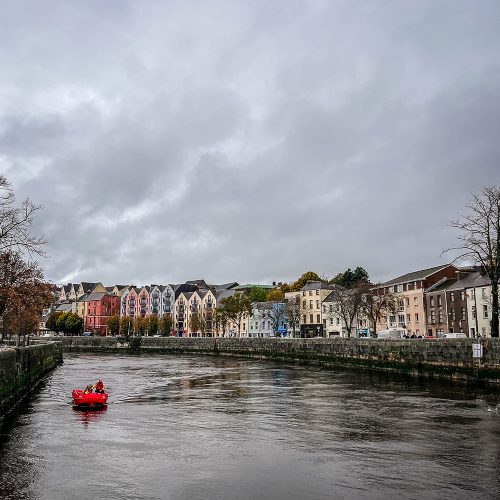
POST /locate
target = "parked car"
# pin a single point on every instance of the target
(87, 334)
(391, 334)
(454, 336)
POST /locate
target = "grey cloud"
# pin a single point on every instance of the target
(248, 141)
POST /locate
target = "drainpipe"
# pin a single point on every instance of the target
(475, 309)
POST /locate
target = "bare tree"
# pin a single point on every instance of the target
(480, 240)
(277, 315)
(349, 303)
(293, 313)
(375, 306)
(16, 222)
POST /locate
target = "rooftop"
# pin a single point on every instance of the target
(414, 276)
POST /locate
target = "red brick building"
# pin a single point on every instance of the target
(99, 307)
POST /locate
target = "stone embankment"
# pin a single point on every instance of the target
(22, 368)
(450, 358)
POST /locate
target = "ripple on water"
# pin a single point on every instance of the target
(202, 427)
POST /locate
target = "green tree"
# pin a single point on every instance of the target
(165, 325)
(126, 325)
(275, 295)
(61, 322)
(220, 320)
(194, 323)
(141, 326)
(350, 279)
(73, 323)
(236, 307)
(257, 294)
(51, 323)
(308, 276)
(153, 324)
(113, 323)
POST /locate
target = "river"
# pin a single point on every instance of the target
(201, 427)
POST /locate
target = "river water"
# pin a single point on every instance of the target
(203, 427)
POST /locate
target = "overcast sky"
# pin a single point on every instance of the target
(247, 140)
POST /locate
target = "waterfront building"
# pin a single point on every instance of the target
(313, 293)
(409, 289)
(99, 306)
(132, 302)
(180, 316)
(268, 319)
(167, 301)
(479, 306)
(333, 324)
(123, 302)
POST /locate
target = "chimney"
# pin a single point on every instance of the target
(274, 283)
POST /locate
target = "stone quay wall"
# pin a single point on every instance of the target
(22, 368)
(447, 358)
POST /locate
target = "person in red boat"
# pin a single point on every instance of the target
(99, 386)
(88, 389)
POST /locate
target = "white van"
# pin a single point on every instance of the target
(391, 334)
(454, 336)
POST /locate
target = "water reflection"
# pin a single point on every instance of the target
(201, 427)
(88, 415)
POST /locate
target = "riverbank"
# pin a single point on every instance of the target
(450, 358)
(22, 368)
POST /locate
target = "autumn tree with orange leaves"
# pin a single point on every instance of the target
(23, 292)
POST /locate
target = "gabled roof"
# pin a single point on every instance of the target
(317, 285)
(199, 283)
(331, 296)
(441, 285)
(109, 288)
(95, 296)
(414, 276)
(65, 307)
(249, 286)
(88, 287)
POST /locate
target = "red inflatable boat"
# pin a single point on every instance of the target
(81, 398)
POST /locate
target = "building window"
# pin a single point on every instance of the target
(440, 316)
(318, 319)
(304, 319)
(463, 313)
(452, 296)
(401, 319)
(331, 321)
(462, 295)
(304, 304)
(317, 304)
(452, 314)
(439, 300)
(311, 317)
(485, 312)
(416, 317)
(433, 316)
(310, 304)
(303, 294)
(483, 293)
(310, 292)
(408, 318)
(432, 301)
(317, 292)
(407, 302)
(400, 288)
(483, 331)
(415, 301)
